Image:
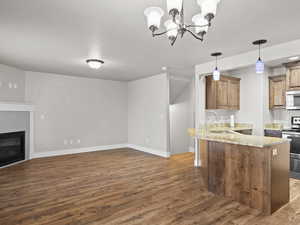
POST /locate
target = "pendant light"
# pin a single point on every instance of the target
(260, 66)
(216, 72)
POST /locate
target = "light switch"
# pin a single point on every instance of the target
(275, 152)
(15, 85)
(10, 85)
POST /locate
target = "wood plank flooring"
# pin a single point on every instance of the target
(123, 187)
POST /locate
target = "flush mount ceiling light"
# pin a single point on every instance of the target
(94, 63)
(294, 58)
(175, 25)
(260, 66)
(216, 72)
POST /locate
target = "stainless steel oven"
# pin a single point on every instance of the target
(295, 149)
(293, 100)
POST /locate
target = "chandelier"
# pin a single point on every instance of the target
(176, 25)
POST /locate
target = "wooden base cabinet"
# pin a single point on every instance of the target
(277, 89)
(223, 94)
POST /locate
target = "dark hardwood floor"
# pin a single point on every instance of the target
(122, 187)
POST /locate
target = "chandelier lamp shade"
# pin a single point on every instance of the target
(216, 72)
(259, 66)
(175, 25)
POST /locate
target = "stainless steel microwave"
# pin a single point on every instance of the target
(293, 100)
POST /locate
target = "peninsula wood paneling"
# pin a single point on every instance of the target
(249, 175)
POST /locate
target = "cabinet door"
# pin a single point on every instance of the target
(294, 77)
(278, 88)
(222, 94)
(277, 91)
(234, 94)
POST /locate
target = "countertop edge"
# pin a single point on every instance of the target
(244, 144)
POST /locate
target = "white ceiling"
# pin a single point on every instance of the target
(59, 35)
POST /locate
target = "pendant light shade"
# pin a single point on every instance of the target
(172, 29)
(216, 72)
(259, 66)
(208, 7)
(201, 23)
(174, 6)
(153, 15)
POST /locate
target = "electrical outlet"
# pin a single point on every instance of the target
(15, 85)
(71, 142)
(10, 85)
(78, 141)
(274, 152)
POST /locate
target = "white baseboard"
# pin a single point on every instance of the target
(150, 150)
(99, 148)
(77, 150)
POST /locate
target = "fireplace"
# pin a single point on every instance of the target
(12, 147)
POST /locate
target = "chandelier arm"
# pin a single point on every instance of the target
(162, 33)
(192, 25)
(173, 41)
(194, 35)
(159, 34)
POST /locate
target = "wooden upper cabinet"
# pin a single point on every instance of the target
(223, 94)
(277, 89)
(234, 94)
(293, 76)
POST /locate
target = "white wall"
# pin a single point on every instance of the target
(148, 112)
(252, 98)
(69, 109)
(182, 118)
(12, 84)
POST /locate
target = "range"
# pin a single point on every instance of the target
(294, 135)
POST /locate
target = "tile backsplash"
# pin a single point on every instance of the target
(283, 116)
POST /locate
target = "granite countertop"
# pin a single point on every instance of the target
(226, 127)
(232, 137)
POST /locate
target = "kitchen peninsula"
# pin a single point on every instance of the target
(252, 170)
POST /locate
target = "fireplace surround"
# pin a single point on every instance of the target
(29, 134)
(12, 147)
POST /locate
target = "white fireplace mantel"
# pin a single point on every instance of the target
(16, 107)
(22, 107)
